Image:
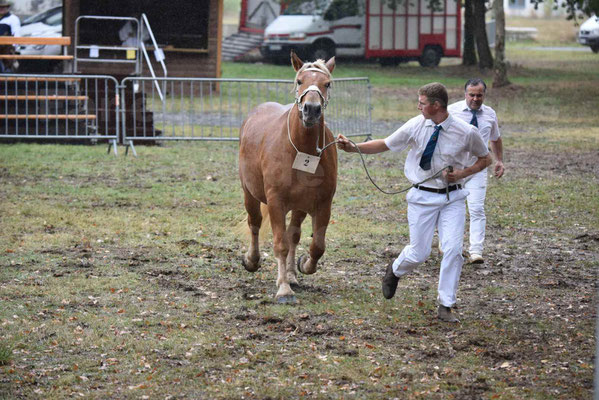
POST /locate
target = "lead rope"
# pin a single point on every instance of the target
(318, 150)
(449, 167)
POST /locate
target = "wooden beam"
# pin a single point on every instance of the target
(32, 57)
(219, 37)
(48, 116)
(36, 79)
(60, 41)
(41, 97)
(178, 49)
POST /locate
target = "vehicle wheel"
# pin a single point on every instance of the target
(431, 56)
(276, 60)
(389, 62)
(595, 48)
(322, 51)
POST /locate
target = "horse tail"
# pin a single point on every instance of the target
(242, 230)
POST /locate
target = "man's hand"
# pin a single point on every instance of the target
(344, 144)
(453, 176)
(457, 174)
(499, 169)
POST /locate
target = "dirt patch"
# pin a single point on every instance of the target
(183, 317)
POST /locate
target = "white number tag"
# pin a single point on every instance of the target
(306, 162)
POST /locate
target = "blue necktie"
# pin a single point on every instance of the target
(474, 121)
(425, 160)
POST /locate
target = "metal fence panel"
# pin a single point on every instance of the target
(213, 109)
(59, 107)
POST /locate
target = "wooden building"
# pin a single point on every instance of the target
(188, 31)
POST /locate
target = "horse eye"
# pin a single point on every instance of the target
(299, 83)
(327, 85)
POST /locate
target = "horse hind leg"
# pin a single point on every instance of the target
(251, 259)
(293, 233)
(319, 225)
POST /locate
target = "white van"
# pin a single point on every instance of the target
(589, 33)
(365, 28)
(44, 24)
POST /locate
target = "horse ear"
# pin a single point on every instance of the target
(296, 61)
(331, 64)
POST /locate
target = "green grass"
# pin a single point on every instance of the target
(5, 354)
(549, 87)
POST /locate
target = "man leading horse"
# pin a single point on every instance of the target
(440, 149)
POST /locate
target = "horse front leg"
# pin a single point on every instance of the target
(251, 259)
(294, 231)
(281, 249)
(320, 222)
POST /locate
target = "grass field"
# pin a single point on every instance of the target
(120, 276)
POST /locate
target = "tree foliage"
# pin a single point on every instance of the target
(574, 8)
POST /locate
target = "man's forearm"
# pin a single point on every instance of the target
(373, 146)
(479, 165)
(497, 149)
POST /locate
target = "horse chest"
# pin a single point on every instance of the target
(301, 189)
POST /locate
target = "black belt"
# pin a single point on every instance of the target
(441, 191)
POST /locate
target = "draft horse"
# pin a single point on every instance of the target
(271, 138)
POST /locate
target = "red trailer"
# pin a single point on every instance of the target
(367, 28)
(413, 30)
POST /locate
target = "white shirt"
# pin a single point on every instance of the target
(485, 117)
(457, 141)
(13, 21)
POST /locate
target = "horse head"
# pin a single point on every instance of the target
(312, 87)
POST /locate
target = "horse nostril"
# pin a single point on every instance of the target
(312, 109)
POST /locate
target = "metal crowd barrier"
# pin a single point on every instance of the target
(213, 109)
(58, 107)
(96, 107)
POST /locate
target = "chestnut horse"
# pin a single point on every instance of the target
(271, 138)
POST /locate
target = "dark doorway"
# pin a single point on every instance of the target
(178, 24)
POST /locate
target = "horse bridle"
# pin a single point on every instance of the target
(300, 107)
(311, 88)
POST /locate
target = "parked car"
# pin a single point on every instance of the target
(45, 24)
(589, 33)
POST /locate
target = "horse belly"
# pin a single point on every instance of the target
(300, 190)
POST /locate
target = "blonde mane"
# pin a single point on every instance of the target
(318, 65)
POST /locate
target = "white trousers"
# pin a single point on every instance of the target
(477, 186)
(427, 211)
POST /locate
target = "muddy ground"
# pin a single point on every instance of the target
(528, 313)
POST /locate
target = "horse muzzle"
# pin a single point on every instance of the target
(311, 113)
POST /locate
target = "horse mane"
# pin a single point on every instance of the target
(319, 65)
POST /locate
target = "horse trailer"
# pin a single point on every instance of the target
(373, 29)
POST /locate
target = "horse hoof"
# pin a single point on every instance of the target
(286, 299)
(248, 267)
(300, 263)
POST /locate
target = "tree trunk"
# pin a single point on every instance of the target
(469, 55)
(500, 74)
(485, 59)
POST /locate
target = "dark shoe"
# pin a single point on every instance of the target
(389, 282)
(445, 314)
